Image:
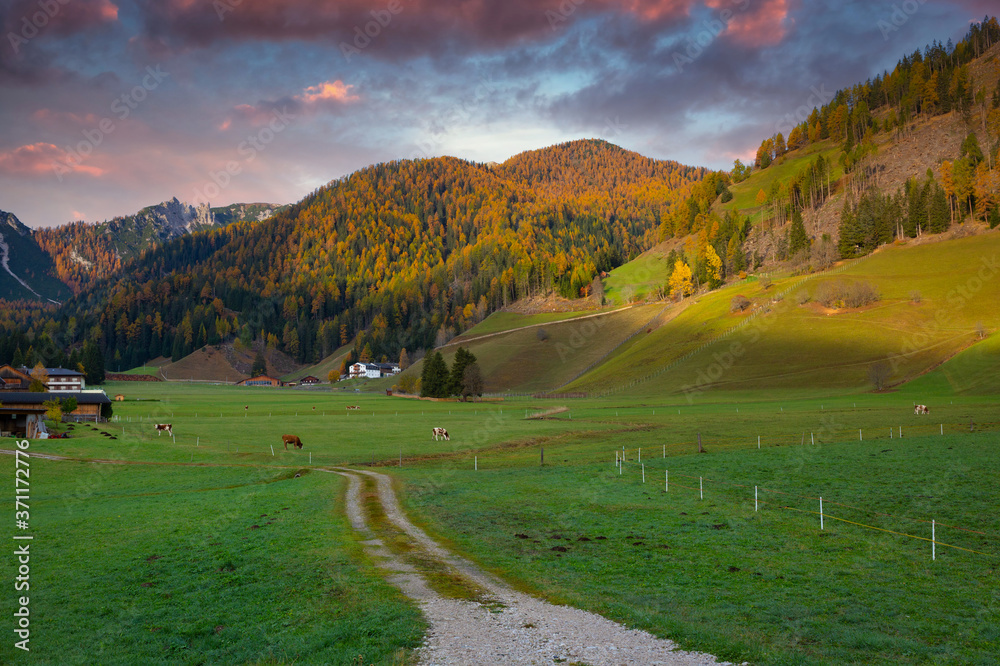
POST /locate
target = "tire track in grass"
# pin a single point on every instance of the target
(490, 623)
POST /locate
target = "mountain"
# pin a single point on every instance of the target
(26, 271)
(85, 253)
(402, 254)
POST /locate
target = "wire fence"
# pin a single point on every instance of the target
(764, 498)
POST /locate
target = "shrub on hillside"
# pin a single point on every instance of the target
(739, 303)
(839, 294)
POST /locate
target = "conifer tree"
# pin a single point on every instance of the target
(798, 239)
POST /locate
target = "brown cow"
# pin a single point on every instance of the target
(293, 440)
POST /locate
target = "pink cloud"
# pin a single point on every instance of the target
(763, 23)
(328, 91)
(418, 26)
(43, 159)
(328, 95)
(64, 18)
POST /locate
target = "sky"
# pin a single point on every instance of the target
(108, 106)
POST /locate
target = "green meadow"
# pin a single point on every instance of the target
(209, 549)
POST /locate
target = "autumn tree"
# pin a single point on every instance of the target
(680, 280)
(39, 379)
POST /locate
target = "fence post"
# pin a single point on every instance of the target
(758, 441)
(701, 489)
(644, 473)
(755, 499)
(666, 481)
(821, 513)
(933, 541)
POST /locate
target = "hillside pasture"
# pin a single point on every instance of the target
(528, 360)
(936, 300)
(781, 171)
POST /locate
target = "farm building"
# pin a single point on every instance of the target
(260, 380)
(58, 379)
(61, 379)
(21, 413)
(309, 381)
(13, 380)
(374, 370)
(369, 370)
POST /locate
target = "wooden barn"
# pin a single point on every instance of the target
(22, 413)
(12, 379)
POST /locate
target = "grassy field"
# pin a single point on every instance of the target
(189, 565)
(124, 552)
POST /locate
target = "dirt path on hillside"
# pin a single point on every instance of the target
(506, 626)
(459, 340)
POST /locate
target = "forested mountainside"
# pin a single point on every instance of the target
(401, 254)
(86, 253)
(26, 272)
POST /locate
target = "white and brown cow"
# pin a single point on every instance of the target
(164, 427)
(441, 432)
(921, 409)
(354, 406)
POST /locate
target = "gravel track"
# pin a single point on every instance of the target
(510, 627)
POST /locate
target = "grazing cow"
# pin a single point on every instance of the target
(293, 440)
(921, 409)
(441, 432)
(354, 406)
(161, 427)
(246, 407)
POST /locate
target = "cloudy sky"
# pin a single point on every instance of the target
(107, 106)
